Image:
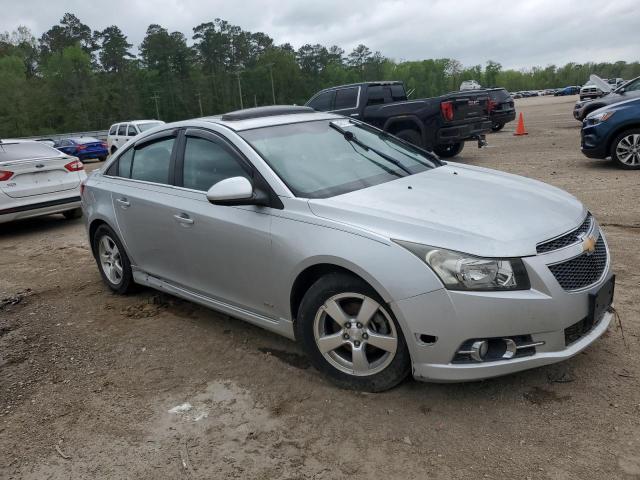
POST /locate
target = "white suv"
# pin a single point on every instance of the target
(121, 133)
(36, 179)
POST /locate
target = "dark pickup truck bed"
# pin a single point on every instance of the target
(441, 124)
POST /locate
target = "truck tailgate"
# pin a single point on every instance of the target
(469, 106)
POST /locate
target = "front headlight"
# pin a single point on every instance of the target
(460, 271)
(599, 117)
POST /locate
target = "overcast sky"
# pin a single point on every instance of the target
(518, 34)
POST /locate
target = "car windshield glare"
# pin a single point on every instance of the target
(317, 160)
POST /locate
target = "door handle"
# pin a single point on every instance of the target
(124, 203)
(183, 218)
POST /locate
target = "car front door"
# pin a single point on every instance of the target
(226, 250)
(142, 196)
(120, 138)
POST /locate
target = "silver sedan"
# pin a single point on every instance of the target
(377, 257)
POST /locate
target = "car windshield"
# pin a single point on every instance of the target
(27, 150)
(325, 158)
(143, 127)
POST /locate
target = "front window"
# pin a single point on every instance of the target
(632, 86)
(322, 102)
(316, 160)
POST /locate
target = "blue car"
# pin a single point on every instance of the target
(83, 147)
(614, 131)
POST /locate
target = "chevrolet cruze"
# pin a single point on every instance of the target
(377, 257)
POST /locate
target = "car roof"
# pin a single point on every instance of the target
(251, 121)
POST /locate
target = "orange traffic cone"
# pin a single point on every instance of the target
(520, 130)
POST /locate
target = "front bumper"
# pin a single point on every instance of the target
(594, 140)
(454, 317)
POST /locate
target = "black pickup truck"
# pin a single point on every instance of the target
(441, 124)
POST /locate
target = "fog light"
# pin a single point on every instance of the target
(479, 350)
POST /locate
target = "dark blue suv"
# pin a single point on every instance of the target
(614, 131)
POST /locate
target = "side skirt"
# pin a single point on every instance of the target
(281, 326)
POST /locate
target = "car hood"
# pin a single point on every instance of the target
(459, 207)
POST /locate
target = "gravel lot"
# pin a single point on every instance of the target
(88, 379)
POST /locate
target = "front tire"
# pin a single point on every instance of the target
(625, 149)
(496, 127)
(448, 151)
(351, 335)
(112, 260)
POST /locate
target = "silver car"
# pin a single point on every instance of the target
(377, 257)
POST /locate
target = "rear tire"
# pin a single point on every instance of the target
(448, 151)
(496, 127)
(112, 260)
(102, 159)
(363, 347)
(411, 136)
(625, 149)
(72, 214)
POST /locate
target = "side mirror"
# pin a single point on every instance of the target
(234, 191)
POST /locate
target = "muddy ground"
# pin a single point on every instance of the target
(88, 379)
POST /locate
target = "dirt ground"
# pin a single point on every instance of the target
(94, 385)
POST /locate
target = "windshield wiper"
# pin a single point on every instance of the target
(350, 137)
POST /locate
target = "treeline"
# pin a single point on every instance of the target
(75, 79)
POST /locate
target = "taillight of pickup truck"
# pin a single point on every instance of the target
(447, 110)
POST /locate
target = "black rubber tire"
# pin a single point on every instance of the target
(496, 127)
(411, 136)
(72, 214)
(448, 151)
(614, 144)
(126, 284)
(324, 288)
(113, 150)
(102, 159)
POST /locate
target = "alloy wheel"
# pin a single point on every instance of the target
(628, 149)
(355, 334)
(110, 259)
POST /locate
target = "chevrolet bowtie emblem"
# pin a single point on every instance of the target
(589, 244)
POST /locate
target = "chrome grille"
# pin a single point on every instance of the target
(566, 239)
(582, 271)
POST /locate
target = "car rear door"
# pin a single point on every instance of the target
(346, 101)
(37, 169)
(142, 196)
(226, 250)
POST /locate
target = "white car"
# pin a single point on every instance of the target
(470, 85)
(121, 133)
(36, 179)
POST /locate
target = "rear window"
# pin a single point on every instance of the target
(27, 150)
